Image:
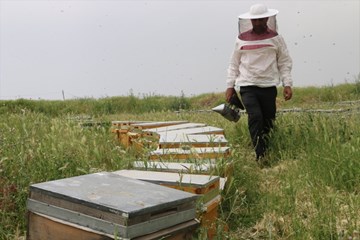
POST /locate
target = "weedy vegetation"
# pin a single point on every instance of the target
(310, 190)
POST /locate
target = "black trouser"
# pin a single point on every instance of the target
(260, 105)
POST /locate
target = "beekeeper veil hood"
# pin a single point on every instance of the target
(258, 11)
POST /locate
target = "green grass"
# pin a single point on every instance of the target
(310, 190)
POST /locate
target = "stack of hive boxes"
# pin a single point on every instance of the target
(134, 204)
(173, 140)
(176, 150)
(109, 206)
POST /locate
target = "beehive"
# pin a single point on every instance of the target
(208, 187)
(109, 204)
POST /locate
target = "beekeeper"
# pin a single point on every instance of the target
(259, 63)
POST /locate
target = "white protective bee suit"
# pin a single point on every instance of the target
(259, 63)
(263, 62)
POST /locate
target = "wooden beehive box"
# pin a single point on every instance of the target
(110, 204)
(207, 186)
(122, 131)
(45, 228)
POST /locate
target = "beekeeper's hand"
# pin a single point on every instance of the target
(287, 93)
(228, 94)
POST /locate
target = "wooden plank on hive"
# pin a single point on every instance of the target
(192, 153)
(174, 127)
(108, 202)
(194, 140)
(177, 167)
(205, 185)
(126, 123)
(148, 125)
(174, 166)
(205, 182)
(196, 130)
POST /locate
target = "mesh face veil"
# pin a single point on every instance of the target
(257, 11)
(246, 25)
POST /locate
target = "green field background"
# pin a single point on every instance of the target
(311, 190)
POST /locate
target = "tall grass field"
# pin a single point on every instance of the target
(310, 190)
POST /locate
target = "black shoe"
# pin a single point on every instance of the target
(263, 162)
